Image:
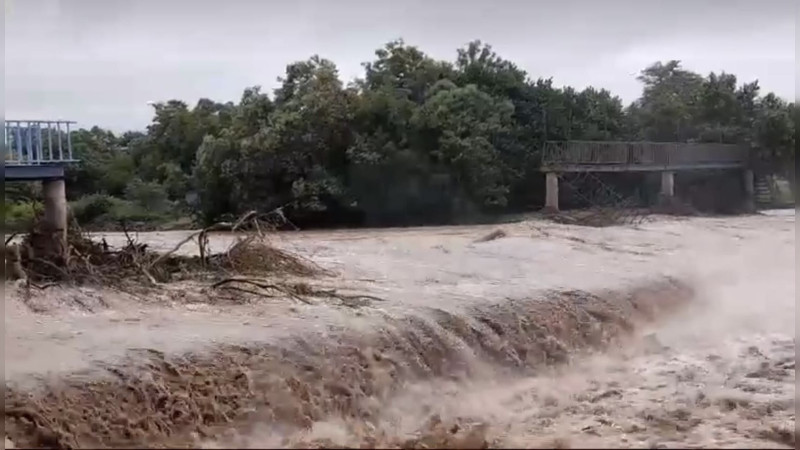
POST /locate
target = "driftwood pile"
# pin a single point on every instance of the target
(43, 258)
(250, 267)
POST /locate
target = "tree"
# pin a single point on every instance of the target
(725, 111)
(405, 69)
(415, 140)
(669, 103)
(217, 177)
(105, 167)
(173, 139)
(774, 134)
(466, 123)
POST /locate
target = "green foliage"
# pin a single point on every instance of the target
(21, 192)
(416, 140)
(104, 166)
(467, 124)
(19, 216)
(103, 211)
(133, 213)
(147, 195)
(92, 208)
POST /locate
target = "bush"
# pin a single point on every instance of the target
(126, 211)
(104, 211)
(148, 195)
(92, 207)
(20, 216)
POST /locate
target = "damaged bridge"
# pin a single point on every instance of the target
(561, 158)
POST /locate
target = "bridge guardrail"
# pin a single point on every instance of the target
(37, 142)
(642, 153)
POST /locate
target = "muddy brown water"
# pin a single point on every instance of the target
(678, 332)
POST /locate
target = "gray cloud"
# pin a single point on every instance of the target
(100, 61)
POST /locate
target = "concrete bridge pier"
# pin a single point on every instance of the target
(40, 151)
(667, 187)
(55, 208)
(749, 190)
(551, 197)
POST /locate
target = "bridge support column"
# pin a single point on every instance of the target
(667, 185)
(749, 190)
(551, 199)
(55, 208)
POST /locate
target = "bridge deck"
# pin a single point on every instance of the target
(36, 149)
(589, 156)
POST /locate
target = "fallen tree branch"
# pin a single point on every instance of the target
(352, 301)
(42, 287)
(11, 238)
(215, 227)
(259, 284)
(202, 238)
(134, 248)
(248, 291)
(297, 291)
(243, 219)
(177, 247)
(53, 266)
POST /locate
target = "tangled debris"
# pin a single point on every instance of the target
(250, 268)
(298, 291)
(44, 258)
(600, 217)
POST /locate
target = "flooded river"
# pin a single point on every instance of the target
(471, 344)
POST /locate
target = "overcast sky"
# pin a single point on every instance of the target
(101, 61)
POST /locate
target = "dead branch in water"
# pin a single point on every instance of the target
(247, 216)
(297, 291)
(11, 238)
(134, 249)
(217, 226)
(287, 290)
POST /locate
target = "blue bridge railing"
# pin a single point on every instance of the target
(37, 142)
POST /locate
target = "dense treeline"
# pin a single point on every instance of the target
(415, 140)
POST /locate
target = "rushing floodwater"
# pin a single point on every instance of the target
(719, 374)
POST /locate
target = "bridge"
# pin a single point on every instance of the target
(36, 149)
(666, 158)
(40, 150)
